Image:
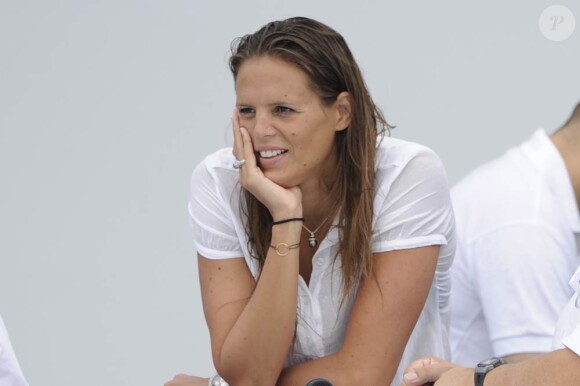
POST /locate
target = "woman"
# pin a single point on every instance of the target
(323, 248)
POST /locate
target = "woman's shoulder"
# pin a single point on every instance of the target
(215, 172)
(398, 153)
(219, 162)
(219, 159)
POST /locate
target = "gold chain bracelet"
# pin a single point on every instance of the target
(282, 249)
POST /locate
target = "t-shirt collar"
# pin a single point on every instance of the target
(545, 156)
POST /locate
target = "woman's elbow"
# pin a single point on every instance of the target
(248, 376)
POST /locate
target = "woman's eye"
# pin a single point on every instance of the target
(246, 111)
(283, 110)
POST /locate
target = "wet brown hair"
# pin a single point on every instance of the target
(324, 56)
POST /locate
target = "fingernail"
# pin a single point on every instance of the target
(243, 129)
(410, 377)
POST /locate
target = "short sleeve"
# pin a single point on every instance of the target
(212, 218)
(413, 205)
(523, 262)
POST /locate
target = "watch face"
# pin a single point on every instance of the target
(489, 361)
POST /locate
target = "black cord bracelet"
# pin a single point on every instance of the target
(288, 220)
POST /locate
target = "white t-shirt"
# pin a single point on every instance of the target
(412, 209)
(10, 372)
(518, 231)
(568, 328)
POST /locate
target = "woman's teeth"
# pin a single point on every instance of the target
(271, 153)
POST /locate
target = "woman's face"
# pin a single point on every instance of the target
(292, 131)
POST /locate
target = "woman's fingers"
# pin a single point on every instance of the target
(248, 148)
(243, 148)
(238, 149)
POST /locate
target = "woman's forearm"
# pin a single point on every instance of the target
(256, 347)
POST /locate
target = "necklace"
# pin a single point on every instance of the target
(312, 241)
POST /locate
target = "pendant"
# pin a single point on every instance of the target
(312, 240)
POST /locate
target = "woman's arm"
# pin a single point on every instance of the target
(252, 324)
(384, 315)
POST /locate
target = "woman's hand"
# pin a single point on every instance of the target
(281, 202)
(427, 370)
(187, 380)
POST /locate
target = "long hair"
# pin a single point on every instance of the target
(324, 56)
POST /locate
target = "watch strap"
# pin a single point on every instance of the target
(484, 367)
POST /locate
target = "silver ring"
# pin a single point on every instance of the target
(239, 163)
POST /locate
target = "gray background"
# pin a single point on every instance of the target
(106, 107)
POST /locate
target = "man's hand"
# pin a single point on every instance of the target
(433, 370)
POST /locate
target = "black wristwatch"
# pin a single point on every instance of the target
(484, 367)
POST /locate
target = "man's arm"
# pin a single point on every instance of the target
(560, 367)
(515, 358)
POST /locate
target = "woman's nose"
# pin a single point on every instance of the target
(263, 126)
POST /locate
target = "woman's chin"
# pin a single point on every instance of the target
(278, 179)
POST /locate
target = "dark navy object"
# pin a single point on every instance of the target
(319, 382)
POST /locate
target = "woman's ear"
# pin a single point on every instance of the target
(344, 108)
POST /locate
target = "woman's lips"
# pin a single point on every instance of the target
(269, 158)
(271, 153)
